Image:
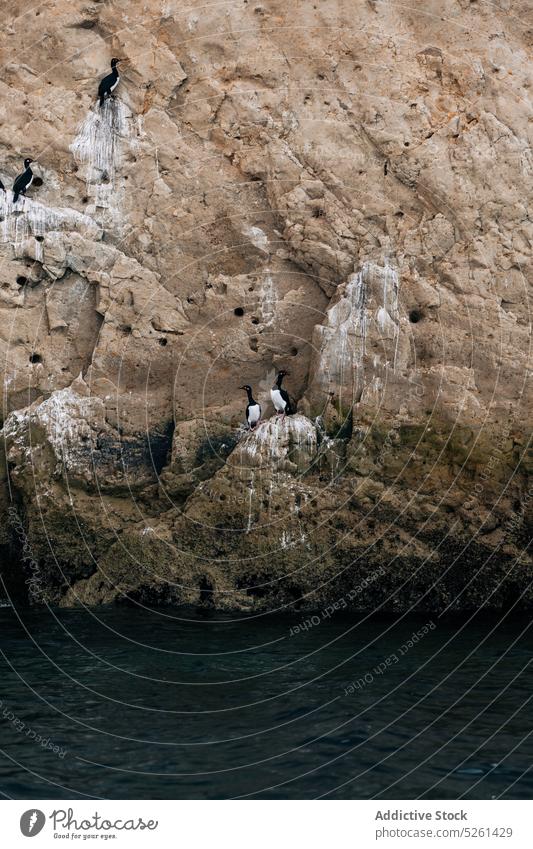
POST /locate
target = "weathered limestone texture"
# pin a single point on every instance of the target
(340, 190)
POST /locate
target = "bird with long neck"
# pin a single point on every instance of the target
(253, 409)
(23, 181)
(280, 397)
(109, 83)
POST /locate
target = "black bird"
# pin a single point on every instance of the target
(253, 409)
(280, 398)
(108, 84)
(23, 181)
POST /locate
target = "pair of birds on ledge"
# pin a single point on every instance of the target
(280, 399)
(105, 89)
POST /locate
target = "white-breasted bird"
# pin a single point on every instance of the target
(108, 84)
(23, 181)
(280, 398)
(253, 409)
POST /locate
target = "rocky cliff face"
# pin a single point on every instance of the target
(341, 190)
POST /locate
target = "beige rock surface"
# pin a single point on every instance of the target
(338, 189)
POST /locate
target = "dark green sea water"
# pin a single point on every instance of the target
(172, 704)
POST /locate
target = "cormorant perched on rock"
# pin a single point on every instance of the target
(108, 84)
(23, 181)
(253, 409)
(280, 398)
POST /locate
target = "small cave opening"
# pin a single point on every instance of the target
(415, 316)
(37, 181)
(35, 358)
(163, 341)
(39, 238)
(158, 447)
(238, 311)
(21, 280)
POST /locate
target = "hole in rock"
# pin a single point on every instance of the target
(35, 358)
(238, 311)
(85, 199)
(415, 316)
(21, 280)
(294, 352)
(206, 591)
(37, 181)
(163, 341)
(39, 238)
(255, 320)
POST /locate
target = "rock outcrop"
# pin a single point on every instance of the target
(272, 188)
